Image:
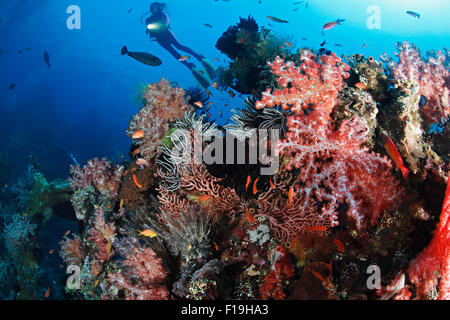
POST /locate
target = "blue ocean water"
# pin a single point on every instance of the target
(82, 104)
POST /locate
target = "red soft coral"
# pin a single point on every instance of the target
(143, 277)
(313, 85)
(334, 168)
(281, 270)
(434, 260)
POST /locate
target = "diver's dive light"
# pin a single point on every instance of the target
(155, 26)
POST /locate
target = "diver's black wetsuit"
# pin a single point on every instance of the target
(166, 39)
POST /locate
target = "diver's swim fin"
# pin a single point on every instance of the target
(201, 79)
(209, 68)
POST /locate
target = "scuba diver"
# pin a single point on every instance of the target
(159, 30)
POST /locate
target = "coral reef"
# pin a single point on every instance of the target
(432, 78)
(96, 184)
(434, 261)
(164, 104)
(167, 224)
(249, 47)
(333, 166)
(142, 276)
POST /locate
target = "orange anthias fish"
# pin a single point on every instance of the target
(203, 198)
(183, 58)
(332, 24)
(318, 276)
(198, 104)
(138, 135)
(317, 228)
(51, 251)
(215, 85)
(47, 293)
(288, 44)
(293, 242)
(216, 246)
(148, 233)
(136, 182)
(291, 196)
(249, 216)
(136, 151)
(255, 189)
(247, 183)
(339, 245)
(395, 155)
(141, 162)
(361, 86)
(108, 248)
(271, 184)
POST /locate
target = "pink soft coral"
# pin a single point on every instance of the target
(102, 235)
(434, 260)
(432, 77)
(143, 277)
(164, 104)
(98, 173)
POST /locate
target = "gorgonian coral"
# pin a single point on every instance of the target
(194, 179)
(164, 104)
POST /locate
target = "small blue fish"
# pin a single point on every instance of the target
(47, 59)
(413, 14)
(73, 159)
